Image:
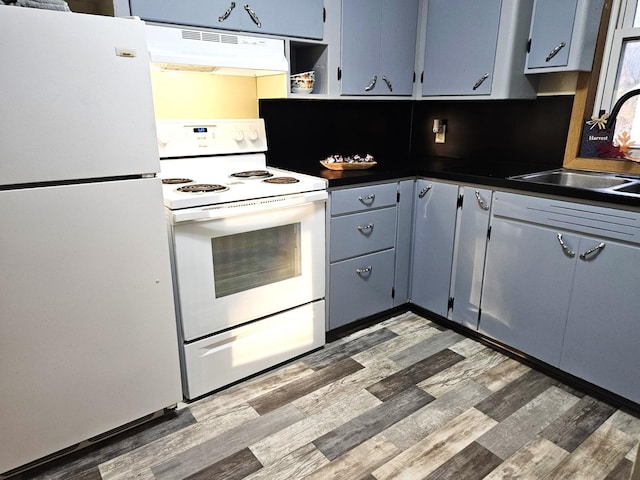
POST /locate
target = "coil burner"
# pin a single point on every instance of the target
(281, 180)
(252, 174)
(202, 187)
(175, 181)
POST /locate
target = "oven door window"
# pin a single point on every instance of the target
(247, 260)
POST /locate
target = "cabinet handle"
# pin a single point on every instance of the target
(365, 228)
(480, 81)
(253, 15)
(594, 250)
(364, 271)
(564, 246)
(368, 199)
(483, 205)
(555, 51)
(226, 14)
(424, 191)
(388, 82)
(372, 83)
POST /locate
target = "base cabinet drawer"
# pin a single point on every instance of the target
(360, 287)
(361, 233)
(359, 199)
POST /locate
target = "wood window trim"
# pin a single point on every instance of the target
(583, 103)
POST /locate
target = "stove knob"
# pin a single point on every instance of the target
(253, 135)
(239, 136)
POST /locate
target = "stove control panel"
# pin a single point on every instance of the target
(185, 138)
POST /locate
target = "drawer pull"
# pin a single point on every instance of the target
(372, 84)
(555, 51)
(564, 246)
(367, 199)
(424, 190)
(226, 14)
(480, 81)
(483, 205)
(364, 271)
(253, 15)
(595, 250)
(365, 228)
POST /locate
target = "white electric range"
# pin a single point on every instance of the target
(248, 245)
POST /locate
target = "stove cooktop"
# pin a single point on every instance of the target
(193, 190)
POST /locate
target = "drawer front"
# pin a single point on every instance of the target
(360, 287)
(221, 359)
(360, 233)
(363, 198)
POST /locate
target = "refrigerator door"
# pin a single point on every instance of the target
(88, 336)
(78, 91)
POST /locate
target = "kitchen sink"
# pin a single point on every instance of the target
(611, 183)
(575, 179)
(631, 188)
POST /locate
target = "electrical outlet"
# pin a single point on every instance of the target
(440, 135)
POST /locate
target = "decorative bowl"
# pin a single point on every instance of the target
(303, 81)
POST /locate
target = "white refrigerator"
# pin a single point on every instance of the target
(87, 324)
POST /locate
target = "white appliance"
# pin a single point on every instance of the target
(88, 337)
(222, 53)
(248, 251)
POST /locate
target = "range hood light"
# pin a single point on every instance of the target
(187, 68)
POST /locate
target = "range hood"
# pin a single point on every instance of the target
(221, 53)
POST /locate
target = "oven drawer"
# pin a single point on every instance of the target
(363, 198)
(361, 287)
(360, 233)
(224, 358)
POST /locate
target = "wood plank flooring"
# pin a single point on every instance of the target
(402, 399)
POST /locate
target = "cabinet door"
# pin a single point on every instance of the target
(552, 26)
(360, 287)
(460, 46)
(398, 47)
(197, 13)
(281, 17)
(527, 286)
(602, 335)
(435, 223)
(293, 18)
(360, 55)
(471, 246)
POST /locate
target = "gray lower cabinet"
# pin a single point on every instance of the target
(433, 240)
(278, 17)
(469, 255)
(527, 287)
(369, 239)
(602, 335)
(561, 284)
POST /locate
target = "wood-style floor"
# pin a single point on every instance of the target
(404, 398)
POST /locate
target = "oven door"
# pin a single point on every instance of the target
(244, 267)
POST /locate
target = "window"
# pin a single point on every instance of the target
(621, 70)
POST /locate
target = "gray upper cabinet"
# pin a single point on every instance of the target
(277, 17)
(378, 42)
(563, 35)
(476, 49)
(460, 47)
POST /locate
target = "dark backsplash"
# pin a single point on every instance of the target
(398, 133)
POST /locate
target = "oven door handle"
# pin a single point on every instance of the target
(247, 207)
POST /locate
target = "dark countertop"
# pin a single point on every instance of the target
(490, 174)
(481, 172)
